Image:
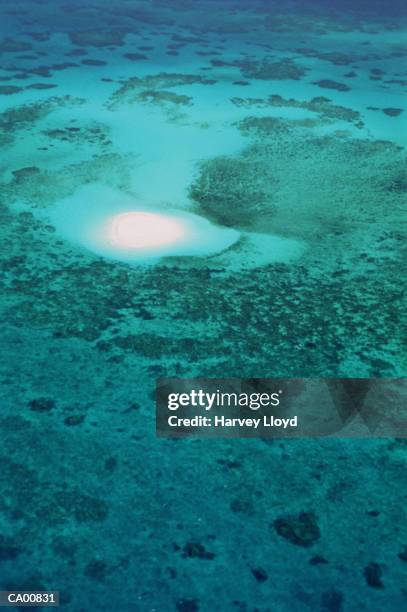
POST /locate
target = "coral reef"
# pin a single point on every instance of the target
(320, 105)
(98, 38)
(159, 97)
(301, 530)
(9, 45)
(269, 70)
(8, 90)
(233, 192)
(132, 88)
(23, 118)
(328, 84)
(88, 494)
(135, 57)
(392, 112)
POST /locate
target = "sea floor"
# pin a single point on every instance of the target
(282, 128)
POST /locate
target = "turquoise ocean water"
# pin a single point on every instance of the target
(276, 131)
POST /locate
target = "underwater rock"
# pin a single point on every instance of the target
(98, 38)
(328, 84)
(301, 529)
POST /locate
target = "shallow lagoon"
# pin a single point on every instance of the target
(284, 127)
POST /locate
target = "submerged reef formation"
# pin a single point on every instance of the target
(136, 88)
(15, 120)
(328, 84)
(254, 191)
(234, 192)
(88, 495)
(8, 45)
(269, 70)
(323, 107)
(97, 38)
(162, 96)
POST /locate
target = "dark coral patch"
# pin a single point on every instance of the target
(42, 404)
(331, 601)
(392, 112)
(74, 419)
(164, 96)
(97, 38)
(187, 605)
(260, 574)
(96, 569)
(8, 549)
(9, 45)
(197, 551)
(301, 529)
(267, 70)
(328, 84)
(373, 575)
(42, 86)
(135, 57)
(9, 90)
(92, 62)
(77, 52)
